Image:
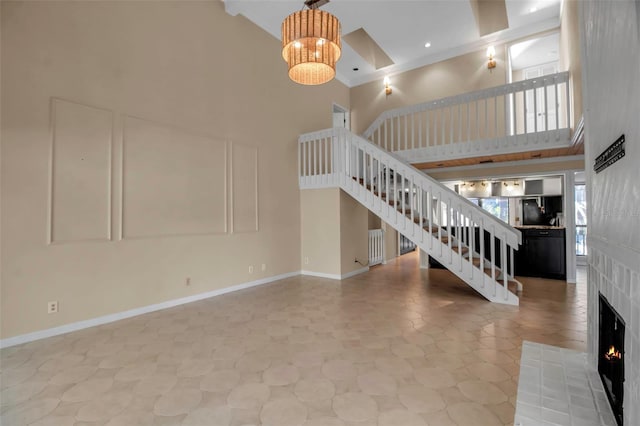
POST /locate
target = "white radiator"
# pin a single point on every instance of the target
(376, 246)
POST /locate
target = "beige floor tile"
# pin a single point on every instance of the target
(250, 395)
(105, 407)
(396, 345)
(472, 413)
(482, 392)
(434, 378)
(420, 400)
(283, 412)
(355, 407)
(309, 390)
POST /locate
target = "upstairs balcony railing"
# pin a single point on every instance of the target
(522, 116)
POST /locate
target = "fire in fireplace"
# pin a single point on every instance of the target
(611, 356)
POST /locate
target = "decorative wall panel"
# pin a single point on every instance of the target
(174, 181)
(80, 180)
(244, 184)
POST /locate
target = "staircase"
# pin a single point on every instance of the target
(470, 242)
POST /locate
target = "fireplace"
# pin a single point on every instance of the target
(611, 356)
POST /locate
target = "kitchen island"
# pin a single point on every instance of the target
(542, 253)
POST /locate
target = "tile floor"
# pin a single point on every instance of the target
(396, 346)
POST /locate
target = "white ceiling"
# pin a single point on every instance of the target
(401, 28)
(534, 52)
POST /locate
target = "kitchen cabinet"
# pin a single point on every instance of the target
(542, 253)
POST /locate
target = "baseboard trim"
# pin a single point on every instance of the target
(354, 273)
(75, 326)
(336, 276)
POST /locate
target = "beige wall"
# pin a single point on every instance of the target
(321, 230)
(354, 236)
(454, 76)
(334, 232)
(174, 156)
(570, 55)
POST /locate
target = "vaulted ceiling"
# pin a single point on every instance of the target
(400, 29)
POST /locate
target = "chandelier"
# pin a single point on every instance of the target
(311, 44)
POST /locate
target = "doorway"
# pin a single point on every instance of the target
(341, 117)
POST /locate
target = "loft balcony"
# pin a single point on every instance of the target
(517, 121)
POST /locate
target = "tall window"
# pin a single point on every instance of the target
(581, 220)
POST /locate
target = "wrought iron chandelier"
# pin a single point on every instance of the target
(311, 44)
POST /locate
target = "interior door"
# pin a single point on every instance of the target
(544, 108)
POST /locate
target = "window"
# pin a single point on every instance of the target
(581, 220)
(499, 207)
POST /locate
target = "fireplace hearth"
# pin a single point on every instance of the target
(611, 356)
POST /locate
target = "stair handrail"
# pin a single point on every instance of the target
(515, 87)
(408, 171)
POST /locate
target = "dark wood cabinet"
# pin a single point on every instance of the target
(542, 254)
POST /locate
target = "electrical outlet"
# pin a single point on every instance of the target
(52, 307)
(187, 281)
(251, 269)
(264, 267)
(306, 260)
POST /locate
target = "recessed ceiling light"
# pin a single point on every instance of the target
(533, 9)
(356, 69)
(427, 44)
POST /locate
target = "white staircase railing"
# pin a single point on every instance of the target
(470, 242)
(376, 246)
(526, 115)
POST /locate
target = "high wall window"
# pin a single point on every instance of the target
(581, 220)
